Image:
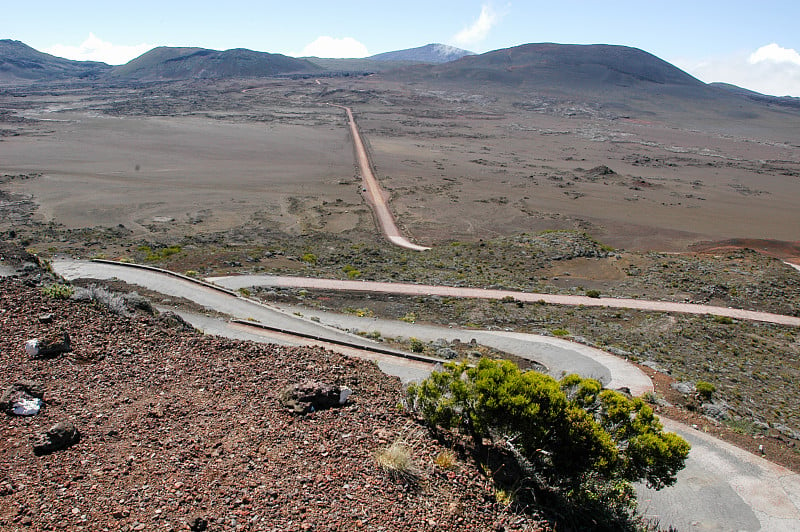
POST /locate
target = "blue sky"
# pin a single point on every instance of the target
(751, 44)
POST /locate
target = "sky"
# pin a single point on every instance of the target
(755, 45)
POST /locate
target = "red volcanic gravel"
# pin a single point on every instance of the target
(180, 430)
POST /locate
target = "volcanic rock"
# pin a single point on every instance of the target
(313, 395)
(58, 437)
(17, 392)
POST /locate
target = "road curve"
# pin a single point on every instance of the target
(240, 281)
(557, 355)
(376, 197)
(722, 487)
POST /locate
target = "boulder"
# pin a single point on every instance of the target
(48, 347)
(172, 320)
(22, 398)
(313, 395)
(58, 437)
(686, 388)
(716, 411)
(446, 352)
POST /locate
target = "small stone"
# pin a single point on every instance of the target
(58, 437)
(198, 524)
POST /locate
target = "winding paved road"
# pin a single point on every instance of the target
(721, 488)
(240, 281)
(376, 197)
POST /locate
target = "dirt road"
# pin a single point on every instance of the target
(241, 281)
(375, 196)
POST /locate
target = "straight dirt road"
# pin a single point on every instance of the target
(375, 196)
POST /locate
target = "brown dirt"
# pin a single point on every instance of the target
(788, 251)
(455, 165)
(177, 427)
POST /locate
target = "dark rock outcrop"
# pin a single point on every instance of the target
(313, 395)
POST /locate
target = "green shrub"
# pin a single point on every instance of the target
(416, 345)
(705, 389)
(566, 430)
(160, 254)
(593, 293)
(560, 332)
(410, 317)
(58, 291)
(724, 320)
(310, 258)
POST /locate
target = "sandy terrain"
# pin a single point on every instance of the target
(210, 174)
(456, 166)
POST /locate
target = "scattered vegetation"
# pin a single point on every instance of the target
(397, 461)
(416, 345)
(159, 254)
(360, 312)
(705, 389)
(58, 291)
(446, 459)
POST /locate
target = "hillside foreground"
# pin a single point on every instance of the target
(181, 430)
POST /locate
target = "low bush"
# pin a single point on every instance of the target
(571, 438)
(705, 389)
(58, 291)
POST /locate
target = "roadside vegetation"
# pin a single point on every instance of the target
(565, 444)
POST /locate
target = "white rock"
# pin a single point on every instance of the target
(32, 347)
(344, 393)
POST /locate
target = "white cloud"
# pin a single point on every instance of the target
(325, 46)
(769, 70)
(96, 49)
(478, 30)
(772, 53)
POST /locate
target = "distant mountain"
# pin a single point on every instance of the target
(357, 65)
(785, 101)
(549, 65)
(19, 63)
(169, 63)
(430, 53)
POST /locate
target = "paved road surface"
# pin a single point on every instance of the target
(722, 487)
(376, 197)
(407, 370)
(239, 281)
(557, 355)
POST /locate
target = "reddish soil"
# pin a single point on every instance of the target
(178, 429)
(788, 251)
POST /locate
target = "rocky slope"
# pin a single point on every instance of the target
(179, 430)
(19, 63)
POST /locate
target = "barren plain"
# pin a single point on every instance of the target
(210, 157)
(516, 190)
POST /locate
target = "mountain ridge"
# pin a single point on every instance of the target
(176, 63)
(429, 53)
(20, 63)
